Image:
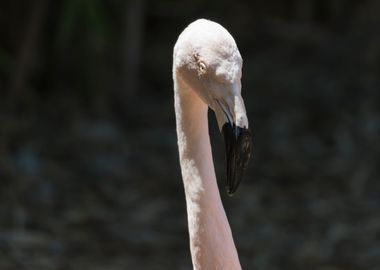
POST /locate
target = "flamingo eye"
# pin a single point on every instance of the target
(202, 68)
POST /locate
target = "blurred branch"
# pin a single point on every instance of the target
(25, 56)
(134, 24)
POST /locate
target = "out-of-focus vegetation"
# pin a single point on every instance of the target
(89, 173)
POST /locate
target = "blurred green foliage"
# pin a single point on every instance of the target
(92, 14)
(6, 63)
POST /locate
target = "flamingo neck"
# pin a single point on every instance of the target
(211, 242)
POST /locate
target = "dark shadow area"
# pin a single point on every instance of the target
(89, 171)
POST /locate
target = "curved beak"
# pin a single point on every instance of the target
(238, 143)
(233, 124)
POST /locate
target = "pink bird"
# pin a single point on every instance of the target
(207, 73)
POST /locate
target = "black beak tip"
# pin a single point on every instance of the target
(238, 143)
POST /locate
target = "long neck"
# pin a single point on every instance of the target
(211, 242)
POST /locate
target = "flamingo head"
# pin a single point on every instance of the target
(208, 60)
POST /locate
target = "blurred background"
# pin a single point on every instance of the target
(89, 171)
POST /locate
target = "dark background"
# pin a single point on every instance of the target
(89, 171)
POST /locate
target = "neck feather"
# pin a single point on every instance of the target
(211, 242)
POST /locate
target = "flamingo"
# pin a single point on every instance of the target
(207, 73)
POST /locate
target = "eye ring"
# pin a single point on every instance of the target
(202, 68)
